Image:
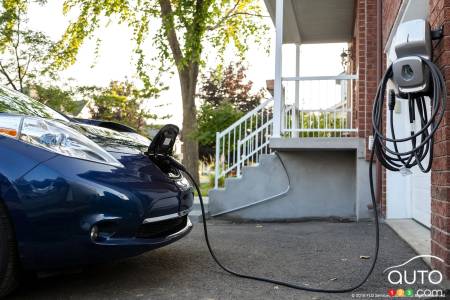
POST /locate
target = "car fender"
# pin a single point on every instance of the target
(18, 159)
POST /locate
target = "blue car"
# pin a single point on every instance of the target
(80, 192)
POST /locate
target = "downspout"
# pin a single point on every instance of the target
(379, 183)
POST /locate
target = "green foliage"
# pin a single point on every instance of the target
(211, 181)
(321, 120)
(204, 189)
(56, 98)
(226, 97)
(24, 52)
(215, 119)
(181, 28)
(120, 102)
(10, 10)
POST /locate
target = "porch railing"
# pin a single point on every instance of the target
(318, 106)
(243, 142)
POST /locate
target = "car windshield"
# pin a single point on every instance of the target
(17, 103)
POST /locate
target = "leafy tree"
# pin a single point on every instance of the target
(24, 52)
(120, 102)
(211, 120)
(53, 96)
(181, 30)
(230, 86)
(226, 97)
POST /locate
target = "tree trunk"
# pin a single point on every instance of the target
(188, 82)
(188, 74)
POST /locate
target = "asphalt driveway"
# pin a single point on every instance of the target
(319, 254)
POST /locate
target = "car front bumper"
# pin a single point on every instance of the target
(55, 206)
(125, 247)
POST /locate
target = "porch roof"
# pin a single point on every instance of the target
(318, 21)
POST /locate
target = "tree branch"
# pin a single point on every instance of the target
(169, 28)
(27, 65)
(19, 71)
(3, 71)
(250, 14)
(231, 15)
(224, 18)
(16, 50)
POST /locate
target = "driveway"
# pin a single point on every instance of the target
(319, 254)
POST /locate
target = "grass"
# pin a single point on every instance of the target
(204, 188)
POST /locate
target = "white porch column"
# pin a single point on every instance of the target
(277, 109)
(297, 91)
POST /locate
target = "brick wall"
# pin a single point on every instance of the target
(365, 56)
(389, 12)
(440, 176)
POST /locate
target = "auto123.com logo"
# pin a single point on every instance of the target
(414, 283)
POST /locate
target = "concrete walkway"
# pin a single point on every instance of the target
(319, 254)
(414, 234)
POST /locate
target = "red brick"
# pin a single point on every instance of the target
(440, 222)
(440, 193)
(440, 251)
(441, 238)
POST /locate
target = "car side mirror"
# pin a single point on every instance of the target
(164, 141)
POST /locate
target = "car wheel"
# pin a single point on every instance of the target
(9, 268)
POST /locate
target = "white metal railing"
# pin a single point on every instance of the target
(243, 142)
(318, 106)
(257, 143)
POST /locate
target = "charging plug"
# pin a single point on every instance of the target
(176, 164)
(392, 98)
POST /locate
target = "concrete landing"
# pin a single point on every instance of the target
(416, 235)
(322, 144)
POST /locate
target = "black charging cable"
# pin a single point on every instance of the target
(278, 282)
(392, 160)
(421, 141)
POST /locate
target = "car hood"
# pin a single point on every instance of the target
(111, 140)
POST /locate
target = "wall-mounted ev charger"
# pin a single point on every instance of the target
(416, 78)
(413, 41)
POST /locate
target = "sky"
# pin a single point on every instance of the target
(114, 59)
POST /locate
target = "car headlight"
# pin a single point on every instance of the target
(56, 137)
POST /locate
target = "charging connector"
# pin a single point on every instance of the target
(392, 99)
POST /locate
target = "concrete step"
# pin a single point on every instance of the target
(324, 184)
(231, 181)
(265, 159)
(257, 182)
(247, 169)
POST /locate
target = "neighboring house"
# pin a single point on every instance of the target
(324, 139)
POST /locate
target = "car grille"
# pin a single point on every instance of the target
(162, 228)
